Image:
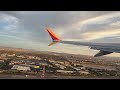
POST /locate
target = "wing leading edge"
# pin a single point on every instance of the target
(104, 48)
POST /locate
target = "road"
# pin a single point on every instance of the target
(51, 76)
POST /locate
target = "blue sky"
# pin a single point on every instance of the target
(26, 29)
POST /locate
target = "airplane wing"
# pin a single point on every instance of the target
(105, 48)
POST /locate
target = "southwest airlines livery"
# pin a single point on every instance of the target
(105, 48)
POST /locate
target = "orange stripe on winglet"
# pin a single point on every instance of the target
(53, 36)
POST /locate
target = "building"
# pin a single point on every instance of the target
(21, 56)
(52, 61)
(84, 72)
(43, 63)
(38, 58)
(83, 68)
(3, 55)
(35, 68)
(32, 63)
(0, 57)
(77, 69)
(16, 62)
(77, 65)
(31, 57)
(21, 68)
(1, 61)
(12, 55)
(60, 66)
(60, 62)
(67, 63)
(64, 71)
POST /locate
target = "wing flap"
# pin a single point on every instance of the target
(101, 53)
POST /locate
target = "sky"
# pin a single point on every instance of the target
(26, 29)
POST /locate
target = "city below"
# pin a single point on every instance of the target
(17, 63)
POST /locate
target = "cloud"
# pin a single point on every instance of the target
(93, 28)
(100, 34)
(34, 22)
